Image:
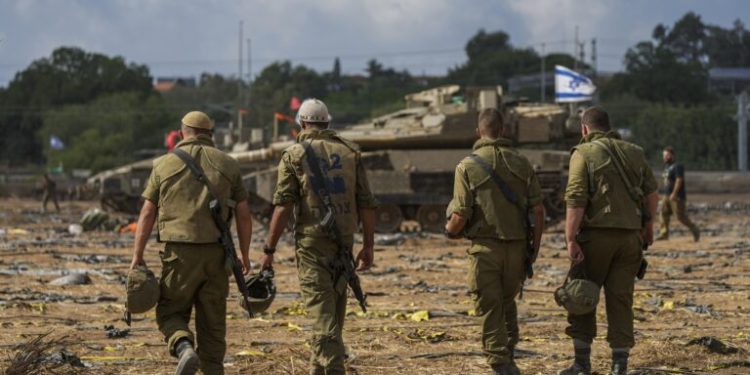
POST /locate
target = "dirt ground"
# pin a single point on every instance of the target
(419, 319)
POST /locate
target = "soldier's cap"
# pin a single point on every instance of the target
(313, 110)
(198, 120)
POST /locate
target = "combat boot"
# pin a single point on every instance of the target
(582, 363)
(189, 363)
(620, 362)
(506, 369)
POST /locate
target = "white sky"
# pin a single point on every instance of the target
(187, 37)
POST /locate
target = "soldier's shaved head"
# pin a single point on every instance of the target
(596, 118)
(490, 123)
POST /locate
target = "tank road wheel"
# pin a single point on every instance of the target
(554, 205)
(431, 218)
(388, 218)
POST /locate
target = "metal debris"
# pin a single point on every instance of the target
(72, 279)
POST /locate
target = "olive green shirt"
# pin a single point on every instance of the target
(182, 201)
(477, 198)
(344, 168)
(595, 184)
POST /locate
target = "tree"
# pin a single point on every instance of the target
(69, 75)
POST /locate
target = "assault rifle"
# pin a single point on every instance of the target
(225, 234)
(343, 264)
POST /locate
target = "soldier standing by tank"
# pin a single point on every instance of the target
(323, 289)
(675, 196)
(193, 263)
(605, 231)
(481, 212)
(50, 193)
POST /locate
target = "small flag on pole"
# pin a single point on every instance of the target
(571, 86)
(56, 143)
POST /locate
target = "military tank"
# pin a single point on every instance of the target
(410, 156)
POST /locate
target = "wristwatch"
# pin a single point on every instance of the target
(268, 250)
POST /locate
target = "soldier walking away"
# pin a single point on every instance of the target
(494, 191)
(675, 196)
(611, 197)
(193, 262)
(50, 193)
(323, 285)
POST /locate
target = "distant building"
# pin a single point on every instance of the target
(164, 84)
(728, 81)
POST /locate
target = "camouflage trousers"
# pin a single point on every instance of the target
(611, 259)
(496, 270)
(325, 298)
(194, 275)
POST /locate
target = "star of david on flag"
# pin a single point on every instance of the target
(571, 86)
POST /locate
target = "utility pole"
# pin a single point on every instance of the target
(575, 51)
(544, 76)
(239, 83)
(742, 114)
(593, 57)
(249, 71)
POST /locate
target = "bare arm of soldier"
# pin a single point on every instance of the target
(244, 233)
(366, 256)
(146, 221)
(279, 221)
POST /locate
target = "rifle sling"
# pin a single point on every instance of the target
(509, 194)
(197, 171)
(621, 171)
(321, 187)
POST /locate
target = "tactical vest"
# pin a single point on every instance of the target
(610, 204)
(184, 215)
(339, 159)
(493, 216)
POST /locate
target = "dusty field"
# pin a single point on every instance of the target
(692, 290)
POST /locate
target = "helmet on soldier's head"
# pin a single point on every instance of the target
(578, 296)
(143, 290)
(313, 110)
(198, 120)
(261, 291)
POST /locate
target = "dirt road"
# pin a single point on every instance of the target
(419, 320)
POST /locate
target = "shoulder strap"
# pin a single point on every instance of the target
(634, 192)
(321, 186)
(197, 171)
(509, 194)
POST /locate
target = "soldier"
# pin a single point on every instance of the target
(324, 289)
(50, 192)
(193, 263)
(675, 197)
(605, 230)
(482, 212)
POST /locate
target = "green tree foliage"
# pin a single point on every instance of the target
(69, 76)
(214, 94)
(703, 137)
(107, 131)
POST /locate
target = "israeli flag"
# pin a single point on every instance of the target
(571, 86)
(56, 143)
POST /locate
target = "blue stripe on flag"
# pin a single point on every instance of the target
(572, 95)
(571, 75)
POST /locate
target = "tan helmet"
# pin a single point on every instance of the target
(578, 296)
(261, 291)
(313, 110)
(198, 120)
(143, 290)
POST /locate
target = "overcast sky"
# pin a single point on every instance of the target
(187, 37)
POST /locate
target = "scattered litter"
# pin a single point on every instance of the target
(40, 355)
(251, 353)
(116, 333)
(714, 345)
(75, 229)
(420, 316)
(426, 335)
(390, 239)
(72, 279)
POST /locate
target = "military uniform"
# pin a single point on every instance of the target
(324, 291)
(194, 270)
(498, 239)
(669, 207)
(610, 231)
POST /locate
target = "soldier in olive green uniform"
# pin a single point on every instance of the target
(324, 292)
(193, 263)
(480, 212)
(604, 230)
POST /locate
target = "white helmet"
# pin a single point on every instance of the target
(313, 110)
